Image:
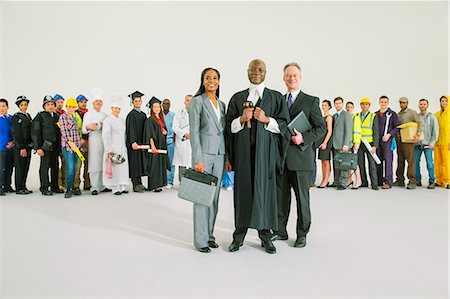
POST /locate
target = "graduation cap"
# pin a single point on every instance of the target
(21, 99)
(136, 94)
(81, 98)
(58, 97)
(152, 101)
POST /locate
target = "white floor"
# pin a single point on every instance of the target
(362, 244)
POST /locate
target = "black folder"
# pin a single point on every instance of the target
(301, 123)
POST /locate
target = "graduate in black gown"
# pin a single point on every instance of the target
(255, 150)
(155, 132)
(134, 136)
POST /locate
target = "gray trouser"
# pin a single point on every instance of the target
(205, 217)
(96, 181)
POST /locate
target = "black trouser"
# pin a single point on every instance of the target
(49, 161)
(136, 181)
(6, 168)
(300, 181)
(22, 165)
(240, 232)
(362, 153)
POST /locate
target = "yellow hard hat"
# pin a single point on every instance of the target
(71, 102)
(365, 100)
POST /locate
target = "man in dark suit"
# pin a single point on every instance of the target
(299, 159)
(342, 139)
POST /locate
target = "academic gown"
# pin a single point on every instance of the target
(134, 133)
(155, 166)
(255, 198)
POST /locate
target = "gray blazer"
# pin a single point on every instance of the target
(206, 132)
(342, 130)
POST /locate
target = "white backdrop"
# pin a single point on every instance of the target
(348, 49)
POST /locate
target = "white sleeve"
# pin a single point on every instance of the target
(236, 125)
(272, 126)
(86, 121)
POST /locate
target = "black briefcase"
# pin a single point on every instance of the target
(198, 187)
(345, 161)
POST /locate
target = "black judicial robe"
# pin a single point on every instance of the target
(255, 166)
(155, 166)
(135, 133)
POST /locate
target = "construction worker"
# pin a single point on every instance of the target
(370, 133)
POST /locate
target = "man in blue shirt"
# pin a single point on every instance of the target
(168, 117)
(6, 149)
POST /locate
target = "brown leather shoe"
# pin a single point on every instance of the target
(386, 186)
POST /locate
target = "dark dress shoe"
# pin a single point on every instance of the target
(268, 246)
(234, 246)
(125, 192)
(157, 190)
(106, 190)
(276, 236)
(69, 193)
(95, 192)
(2, 193)
(139, 189)
(10, 190)
(58, 191)
(76, 191)
(213, 244)
(340, 188)
(29, 191)
(375, 187)
(48, 193)
(22, 192)
(300, 242)
(204, 249)
(117, 193)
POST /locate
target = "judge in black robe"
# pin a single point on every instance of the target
(155, 165)
(135, 136)
(255, 153)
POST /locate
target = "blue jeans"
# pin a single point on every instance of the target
(71, 166)
(171, 173)
(418, 150)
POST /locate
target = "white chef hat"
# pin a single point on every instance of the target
(97, 94)
(116, 100)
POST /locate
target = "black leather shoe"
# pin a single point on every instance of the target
(29, 191)
(340, 188)
(106, 190)
(48, 193)
(95, 192)
(234, 246)
(117, 193)
(213, 244)
(58, 191)
(268, 246)
(10, 190)
(2, 193)
(76, 191)
(69, 193)
(204, 249)
(375, 187)
(125, 192)
(139, 189)
(22, 192)
(276, 236)
(300, 242)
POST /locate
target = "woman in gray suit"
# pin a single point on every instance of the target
(207, 124)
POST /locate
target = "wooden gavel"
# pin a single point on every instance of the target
(248, 104)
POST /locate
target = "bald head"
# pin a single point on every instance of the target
(256, 71)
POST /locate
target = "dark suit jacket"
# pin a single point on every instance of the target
(297, 159)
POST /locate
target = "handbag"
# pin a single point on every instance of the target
(345, 161)
(197, 187)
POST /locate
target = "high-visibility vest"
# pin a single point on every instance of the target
(356, 136)
(366, 126)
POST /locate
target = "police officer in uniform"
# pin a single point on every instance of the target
(21, 133)
(46, 137)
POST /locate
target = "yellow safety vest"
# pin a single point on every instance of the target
(366, 126)
(356, 137)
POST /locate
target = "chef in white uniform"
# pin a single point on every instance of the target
(92, 126)
(180, 126)
(113, 134)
